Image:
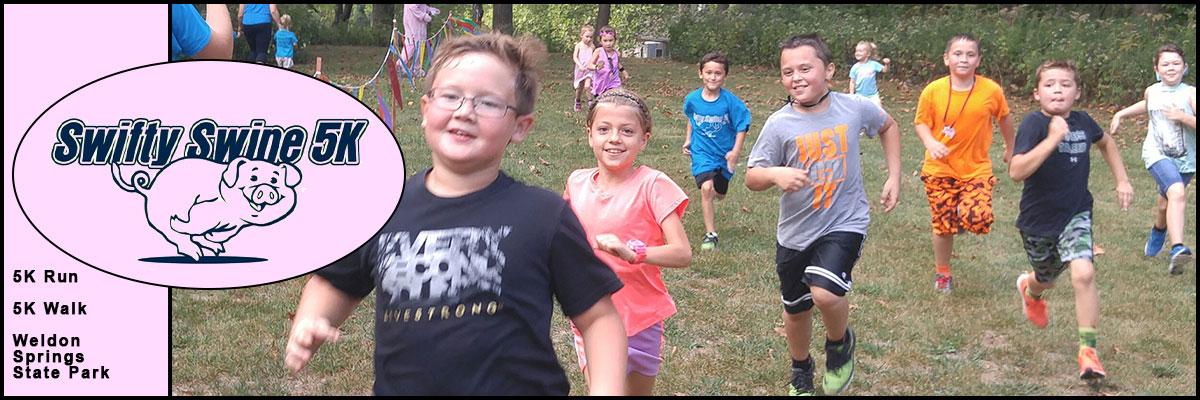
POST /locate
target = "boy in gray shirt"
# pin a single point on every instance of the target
(810, 148)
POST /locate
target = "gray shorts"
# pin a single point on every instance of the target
(1050, 256)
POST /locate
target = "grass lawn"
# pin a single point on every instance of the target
(727, 337)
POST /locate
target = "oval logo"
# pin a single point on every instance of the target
(208, 174)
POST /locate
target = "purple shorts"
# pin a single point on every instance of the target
(645, 350)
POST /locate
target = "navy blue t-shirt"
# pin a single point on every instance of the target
(465, 287)
(1058, 190)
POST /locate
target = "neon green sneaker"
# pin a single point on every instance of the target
(710, 241)
(802, 382)
(839, 364)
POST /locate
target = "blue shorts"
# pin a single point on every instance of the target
(1166, 173)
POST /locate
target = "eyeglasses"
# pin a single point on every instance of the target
(452, 100)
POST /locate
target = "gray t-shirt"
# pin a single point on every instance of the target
(827, 145)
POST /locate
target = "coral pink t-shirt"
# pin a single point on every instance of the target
(634, 209)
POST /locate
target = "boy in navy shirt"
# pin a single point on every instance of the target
(1051, 157)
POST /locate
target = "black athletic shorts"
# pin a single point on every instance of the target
(826, 263)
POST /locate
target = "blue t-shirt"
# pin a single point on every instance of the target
(283, 43)
(864, 77)
(1058, 190)
(715, 125)
(256, 14)
(189, 31)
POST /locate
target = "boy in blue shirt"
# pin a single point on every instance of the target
(717, 125)
(284, 39)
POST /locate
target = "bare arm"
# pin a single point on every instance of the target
(1138, 108)
(936, 148)
(1176, 114)
(687, 139)
(605, 343)
(889, 138)
(322, 308)
(1006, 129)
(677, 253)
(274, 14)
(1112, 155)
(1025, 164)
(787, 178)
(592, 64)
(220, 41)
(575, 58)
(732, 156)
(851, 88)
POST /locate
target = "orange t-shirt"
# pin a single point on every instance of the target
(972, 138)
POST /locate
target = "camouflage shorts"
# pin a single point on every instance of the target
(1050, 256)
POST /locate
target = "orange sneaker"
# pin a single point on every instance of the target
(1089, 365)
(1034, 310)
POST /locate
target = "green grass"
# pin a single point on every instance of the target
(725, 338)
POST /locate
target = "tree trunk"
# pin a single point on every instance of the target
(478, 12)
(746, 8)
(382, 14)
(602, 18)
(502, 18)
(341, 13)
(721, 8)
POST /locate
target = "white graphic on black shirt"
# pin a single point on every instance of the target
(1075, 143)
(441, 265)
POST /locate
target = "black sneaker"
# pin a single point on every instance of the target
(802, 382)
(710, 241)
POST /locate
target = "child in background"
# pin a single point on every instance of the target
(810, 150)
(284, 39)
(1169, 151)
(581, 56)
(862, 74)
(606, 61)
(1051, 157)
(957, 133)
(633, 215)
(467, 266)
(717, 125)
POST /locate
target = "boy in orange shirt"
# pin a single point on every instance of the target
(957, 133)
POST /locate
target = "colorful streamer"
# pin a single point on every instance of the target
(395, 84)
(384, 113)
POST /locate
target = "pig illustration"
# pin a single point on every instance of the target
(198, 205)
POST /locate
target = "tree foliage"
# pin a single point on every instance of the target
(1113, 53)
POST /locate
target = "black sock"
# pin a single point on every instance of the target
(1176, 246)
(1156, 228)
(804, 365)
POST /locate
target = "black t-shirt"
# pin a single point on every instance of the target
(465, 286)
(1058, 190)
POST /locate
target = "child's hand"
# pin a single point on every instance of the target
(887, 61)
(891, 195)
(624, 75)
(610, 244)
(1116, 123)
(1124, 195)
(791, 179)
(307, 335)
(687, 148)
(1058, 128)
(936, 149)
(731, 159)
(1174, 114)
